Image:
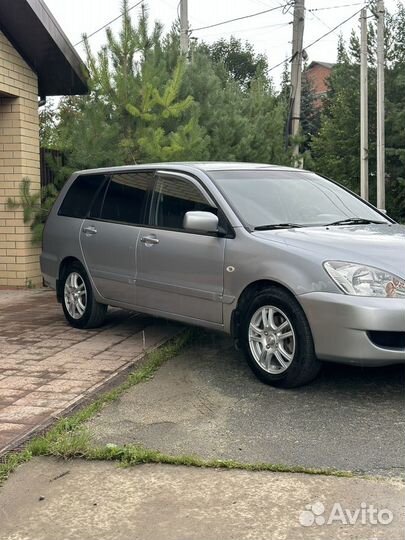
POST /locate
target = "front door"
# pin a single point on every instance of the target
(109, 235)
(179, 272)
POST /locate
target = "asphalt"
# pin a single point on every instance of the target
(50, 499)
(207, 403)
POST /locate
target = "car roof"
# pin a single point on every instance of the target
(189, 166)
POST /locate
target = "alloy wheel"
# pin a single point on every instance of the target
(272, 339)
(75, 295)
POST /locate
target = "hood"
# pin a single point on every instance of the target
(382, 246)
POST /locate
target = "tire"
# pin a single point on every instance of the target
(81, 311)
(277, 358)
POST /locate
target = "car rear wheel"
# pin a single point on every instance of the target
(277, 340)
(79, 306)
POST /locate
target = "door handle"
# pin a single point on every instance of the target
(149, 240)
(88, 231)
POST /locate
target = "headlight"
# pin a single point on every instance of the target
(359, 280)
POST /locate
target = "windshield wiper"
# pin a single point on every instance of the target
(278, 226)
(356, 221)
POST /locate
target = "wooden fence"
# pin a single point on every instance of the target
(47, 171)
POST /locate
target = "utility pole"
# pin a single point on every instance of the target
(364, 186)
(184, 28)
(296, 74)
(380, 107)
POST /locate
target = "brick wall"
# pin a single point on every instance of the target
(19, 158)
(319, 75)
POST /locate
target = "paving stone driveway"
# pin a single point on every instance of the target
(46, 366)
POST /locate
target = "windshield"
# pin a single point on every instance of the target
(264, 198)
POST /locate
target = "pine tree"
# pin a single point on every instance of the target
(243, 122)
(134, 112)
(310, 112)
(285, 91)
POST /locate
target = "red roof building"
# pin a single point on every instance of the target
(318, 74)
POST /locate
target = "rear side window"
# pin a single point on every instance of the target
(98, 201)
(80, 195)
(126, 197)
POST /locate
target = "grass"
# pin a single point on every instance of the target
(12, 462)
(69, 439)
(77, 444)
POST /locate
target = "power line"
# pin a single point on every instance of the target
(262, 3)
(336, 7)
(239, 18)
(108, 24)
(315, 16)
(265, 27)
(317, 40)
(333, 29)
(285, 7)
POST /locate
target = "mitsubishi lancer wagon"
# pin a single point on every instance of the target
(296, 268)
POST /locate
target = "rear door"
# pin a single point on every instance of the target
(179, 271)
(109, 235)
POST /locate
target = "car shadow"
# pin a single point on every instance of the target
(333, 376)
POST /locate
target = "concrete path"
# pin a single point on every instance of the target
(55, 500)
(46, 366)
(206, 402)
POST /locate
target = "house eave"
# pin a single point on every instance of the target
(38, 38)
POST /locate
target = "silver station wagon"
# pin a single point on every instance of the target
(295, 267)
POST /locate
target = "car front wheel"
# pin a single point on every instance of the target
(79, 306)
(277, 340)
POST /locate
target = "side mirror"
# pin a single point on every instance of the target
(201, 222)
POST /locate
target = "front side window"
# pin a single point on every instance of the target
(172, 198)
(268, 197)
(125, 198)
(80, 195)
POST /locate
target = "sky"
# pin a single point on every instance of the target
(270, 33)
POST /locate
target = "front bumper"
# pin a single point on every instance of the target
(341, 324)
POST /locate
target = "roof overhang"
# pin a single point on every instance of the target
(327, 65)
(35, 34)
